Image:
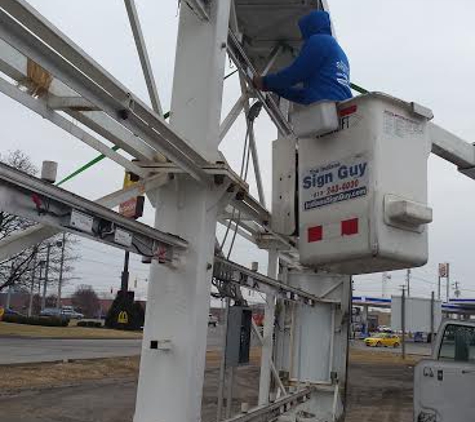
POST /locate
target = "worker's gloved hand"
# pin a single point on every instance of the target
(258, 83)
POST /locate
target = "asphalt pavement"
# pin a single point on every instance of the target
(15, 350)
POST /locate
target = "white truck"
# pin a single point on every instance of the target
(444, 386)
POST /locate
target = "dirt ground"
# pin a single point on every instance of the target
(379, 390)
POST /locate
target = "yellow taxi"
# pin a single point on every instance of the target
(383, 339)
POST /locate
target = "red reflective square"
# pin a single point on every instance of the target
(349, 227)
(315, 234)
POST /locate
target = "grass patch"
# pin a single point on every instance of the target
(369, 356)
(47, 375)
(18, 330)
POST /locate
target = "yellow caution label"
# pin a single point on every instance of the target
(123, 318)
(2, 312)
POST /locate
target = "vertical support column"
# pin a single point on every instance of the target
(403, 322)
(282, 337)
(365, 318)
(171, 377)
(432, 322)
(267, 343)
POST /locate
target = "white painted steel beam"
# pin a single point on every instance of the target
(232, 116)
(230, 271)
(273, 57)
(66, 61)
(198, 8)
(40, 106)
(109, 129)
(14, 65)
(252, 146)
(39, 201)
(280, 407)
(268, 335)
(65, 103)
(275, 372)
(451, 148)
(19, 241)
(247, 71)
(143, 56)
(257, 167)
(170, 383)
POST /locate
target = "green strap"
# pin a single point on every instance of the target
(94, 161)
(359, 89)
(85, 166)
(99, 158)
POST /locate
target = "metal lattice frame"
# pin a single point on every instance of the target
(82, 90)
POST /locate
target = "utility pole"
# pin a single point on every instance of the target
(432, 323)
(456, 289)
(45, 282)
(385, 280)
(10, 288)
(408, 282)
(403, 322)
(124, 286)
(32, 286)
(448, 283)
(61, 266)
(438, 287)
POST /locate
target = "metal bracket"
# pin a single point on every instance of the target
(36, 200)
(279, 407)
(228, 271)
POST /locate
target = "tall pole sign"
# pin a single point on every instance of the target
(444, 273)
(133, 208)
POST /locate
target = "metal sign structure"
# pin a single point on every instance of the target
(52, 76)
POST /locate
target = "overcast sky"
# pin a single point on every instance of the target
(416, 50)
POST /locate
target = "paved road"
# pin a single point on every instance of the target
(23, 350)
(27, 350)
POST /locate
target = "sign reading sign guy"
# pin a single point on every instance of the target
(335, 182)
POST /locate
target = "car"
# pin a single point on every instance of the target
(65, 312)
(9, 311)
(383, 339)
(70, 312)
(212, 320)
(50, 312)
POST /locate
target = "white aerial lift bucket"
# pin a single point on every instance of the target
(362, 189)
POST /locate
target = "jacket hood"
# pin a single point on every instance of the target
(316, 22)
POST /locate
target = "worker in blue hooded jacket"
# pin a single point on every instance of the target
(320, 72)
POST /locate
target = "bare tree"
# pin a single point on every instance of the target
(85, 299)
(21, 269)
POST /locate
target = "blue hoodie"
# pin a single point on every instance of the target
(321, 68)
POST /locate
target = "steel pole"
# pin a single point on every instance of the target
(32, 286)
(124, 280)
(143, 56)
(222, 368)
(448, 284)
(46, 279)
(61, 267)
(432, 303)
(403, 322)
(438, 288)
(171, 381)
(9, 296)
(229, 396)
(268, 335)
